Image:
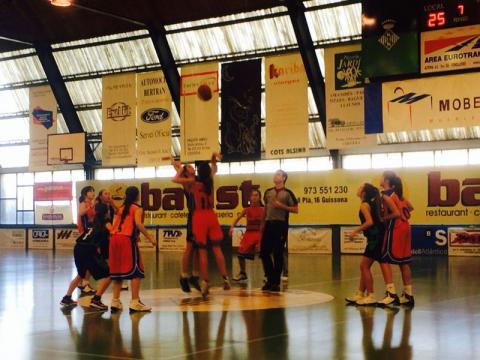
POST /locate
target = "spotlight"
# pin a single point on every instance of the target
(62, 3)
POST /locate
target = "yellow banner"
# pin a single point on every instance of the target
(286, 104)
(119, 120)
(43, 121)
(344, 98)
(154, 121)
(439, 195)
(199, 111)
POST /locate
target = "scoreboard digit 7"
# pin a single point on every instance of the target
(442, 14)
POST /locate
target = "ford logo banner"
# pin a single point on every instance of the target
(155, 115)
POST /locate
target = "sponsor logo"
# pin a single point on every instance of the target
(348, 74)
(42, 117)
(465, 238)
(409, 98)
(40, 234)
(389, 38)
(170, 234)
(155, 115)
(450, 188)
(64, 234)
(276, 72)
(119, 111)
(52, 216)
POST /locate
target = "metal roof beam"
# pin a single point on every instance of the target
(169, 67)
(296, 10)
(59, 89)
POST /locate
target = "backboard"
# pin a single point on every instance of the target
(66, 148)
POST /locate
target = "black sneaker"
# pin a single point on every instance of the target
(184, 284)
(275, 288)
(86, 290)
(407, 300)
(389, 299)
(267, 286)
(195, 282)
(68, 302)
(97, 304)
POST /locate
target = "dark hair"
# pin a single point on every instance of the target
(100, 219)
(184, 171)
(259, 195)
(396, 184)
(83, 193)
(131, 195)
(205, 176)
(389, 175)
(98, 199)
(372, 197)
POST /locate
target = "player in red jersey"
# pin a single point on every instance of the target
(250, 242)
(204, 220)
(125, 259)
(397, 247)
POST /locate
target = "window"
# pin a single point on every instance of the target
(144, 172)
(267, 166)
(246, 167)
(166, 171)
(386, 161)
(223, 168)
(320, 163)
(418, 159)
(451, 157)
(292, 165)
(104, 174)
(14, 156)
(363, 161)
(474, 156)
(124, 173)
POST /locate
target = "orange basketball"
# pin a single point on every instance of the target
(204, 92)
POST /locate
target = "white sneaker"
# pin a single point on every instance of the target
(284, 279)
(226, 283)
(407, 300)
(137, 305)
(389, 299)
(355, 297)
(116, 305)
(367, 300)
(204, 288)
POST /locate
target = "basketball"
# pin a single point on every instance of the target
(204, 92)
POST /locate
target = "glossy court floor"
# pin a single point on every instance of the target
(445, 323)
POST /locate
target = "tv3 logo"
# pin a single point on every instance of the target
(40, 234)
(169, 234)
(440, 236)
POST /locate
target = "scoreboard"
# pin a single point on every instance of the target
(443, 14)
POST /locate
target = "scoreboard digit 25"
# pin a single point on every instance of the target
(442, 14)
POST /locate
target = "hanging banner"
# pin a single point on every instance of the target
(52, 191)
(13, 238)
(241, 111)
(389, 38)
(119, 120)
(40, 239)
(172, 239)
(309, 240)
(154, 123)
(431, 103)
(286, 103)
(448, 195)
(199, 111)
(66, 238)
(450, 49)
(53, 214)
(464, 241)
(344, 98)
(43, 121)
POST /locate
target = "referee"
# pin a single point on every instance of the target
(279, 203)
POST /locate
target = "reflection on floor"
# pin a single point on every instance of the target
(445, 323)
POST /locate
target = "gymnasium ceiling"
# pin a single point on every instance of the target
(27, 21)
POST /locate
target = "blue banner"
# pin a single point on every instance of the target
(429, 240)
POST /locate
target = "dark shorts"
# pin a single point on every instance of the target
(87, 258)
(373, 250)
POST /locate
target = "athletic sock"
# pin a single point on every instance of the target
(184, 275)
(391, 288)
(408, 290)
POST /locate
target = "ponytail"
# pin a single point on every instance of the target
(131, 195)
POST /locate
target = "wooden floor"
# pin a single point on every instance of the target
(445, 323)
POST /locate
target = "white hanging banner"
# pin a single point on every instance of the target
(309, 240)
(286, 101)
(119, 120)
(43, 121)
(154, 121)
(344, 98)
(53, 214)
(199, 111)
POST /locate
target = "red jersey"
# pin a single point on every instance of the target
(254, 217)
(402, 206)
(128, 226)
(201, 200)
